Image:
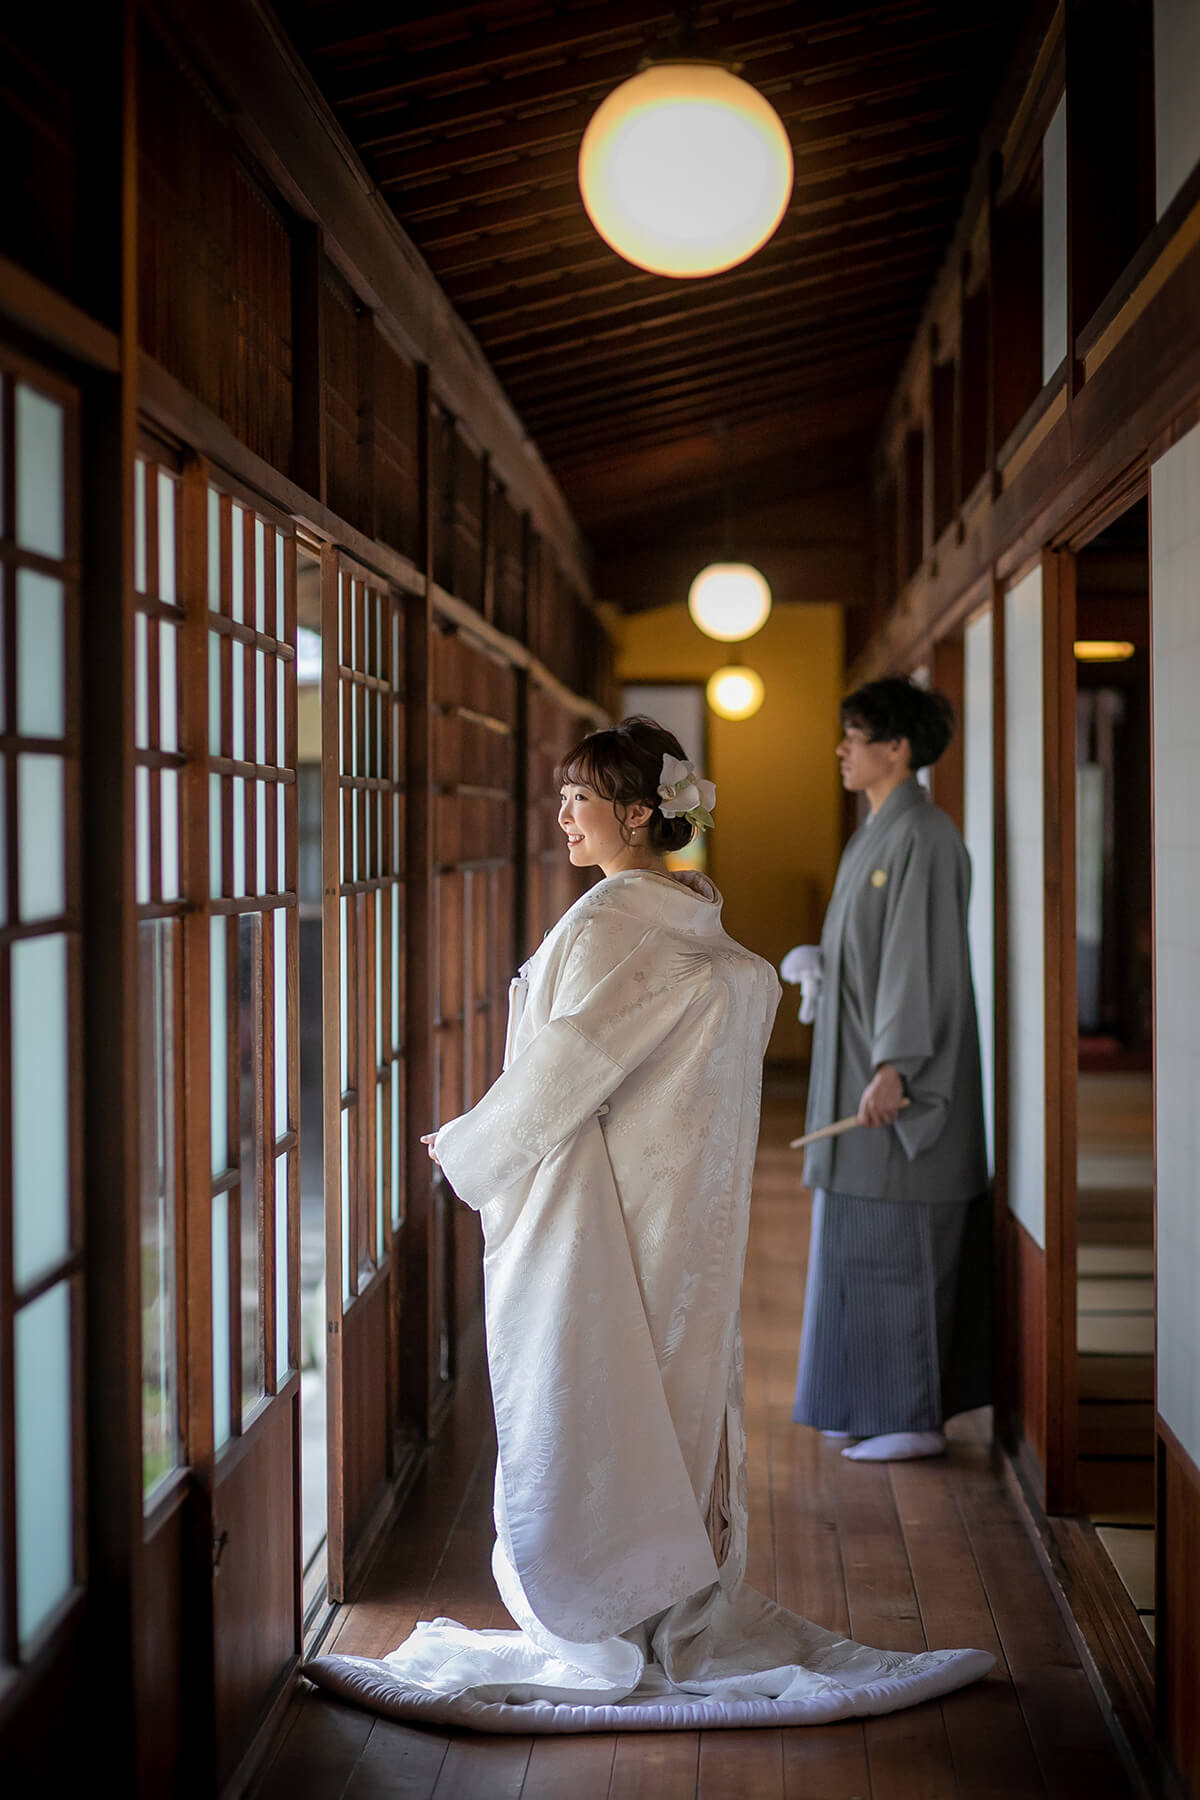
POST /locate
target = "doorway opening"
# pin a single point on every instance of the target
(314, 1455)
(1114, 949)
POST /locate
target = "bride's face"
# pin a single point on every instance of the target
(592, 829)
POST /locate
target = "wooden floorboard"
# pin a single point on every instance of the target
(908, 1556)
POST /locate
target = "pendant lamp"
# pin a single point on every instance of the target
(735, 692)
(685, 169)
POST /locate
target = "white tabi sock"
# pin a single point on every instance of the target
(898, 1446)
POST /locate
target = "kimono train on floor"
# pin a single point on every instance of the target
(611, 1166)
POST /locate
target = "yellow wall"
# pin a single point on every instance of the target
(775, 848)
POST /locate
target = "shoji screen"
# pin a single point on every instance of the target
(978, 828)
(475, 709)
(362, 701)
(1024, 828)
(41, 1153)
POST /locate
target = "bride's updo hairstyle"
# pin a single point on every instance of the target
(624, 765)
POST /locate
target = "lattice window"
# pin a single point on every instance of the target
(41, 1152)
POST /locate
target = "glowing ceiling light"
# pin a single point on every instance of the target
(685, 169)
(729, 601)
(1102, 650)
(735, 693)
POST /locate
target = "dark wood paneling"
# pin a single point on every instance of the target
(365, 1403)
(256, 1631)
(1023, 1290)
(397, 475)
(1177, 1603)
(947, 675)
(340, 366)
(214, 255)
(161, 1651)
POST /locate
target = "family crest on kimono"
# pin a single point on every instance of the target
(611, 1165)
(896, 1329)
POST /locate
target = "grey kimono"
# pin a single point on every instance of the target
(899, 1260)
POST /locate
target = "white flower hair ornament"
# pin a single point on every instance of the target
(682, 794)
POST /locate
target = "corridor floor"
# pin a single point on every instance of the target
(903, 1556)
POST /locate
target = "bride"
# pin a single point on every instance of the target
(611, 1166)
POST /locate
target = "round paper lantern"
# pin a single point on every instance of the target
(735, 693)
(729, 601)
(685, 169)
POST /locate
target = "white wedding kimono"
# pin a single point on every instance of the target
(611, 1166)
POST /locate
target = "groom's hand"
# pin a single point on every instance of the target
(880, 1103)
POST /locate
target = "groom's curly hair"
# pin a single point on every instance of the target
(895, 708)
(624, 764)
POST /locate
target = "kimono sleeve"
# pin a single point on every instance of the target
(606, 1019)
(922, 993)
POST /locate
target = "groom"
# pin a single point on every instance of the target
(896, 1332)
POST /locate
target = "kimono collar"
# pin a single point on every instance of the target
(909, 793)
(684, 902)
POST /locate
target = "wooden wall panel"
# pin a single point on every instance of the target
(1178, 1606)
(340, 362)
(365, 1357)
(214, 262)
(1023, 1291)
(397, 474)
(253, 1611)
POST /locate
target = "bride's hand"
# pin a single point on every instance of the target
(427, 1140)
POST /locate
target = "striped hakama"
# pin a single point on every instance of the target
(897, 1316)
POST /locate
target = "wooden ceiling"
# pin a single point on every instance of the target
(469, 119)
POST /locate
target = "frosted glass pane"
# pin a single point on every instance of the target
(166, 538)
(41, 514)
(260, 706)
(168, 688)
(381, 1174)
(354, 700)
(281, 841)
(345, 996)
(219, 1047)
(238, 803)
(156, 1120)
(45, 1478)
(249, 1040)
(280, 717)
(238, 702)
(220, 1319)
(260, 577)
(41, 675)
(214, 694)
(281, 1023)
(279, 608)
(215, 853)
(395, 908)
(3, 844)
(141, 683)
(214, 549)
(357, 873)
(139, 525)
(341, 613)
(237, 552)
(281, 1268)
(379, 998)
(347, 1287)
(397, 1185)
(41, 860)
(41, 1119)
(262, 801)
(397, 841)
(141, 808)
(170, 834)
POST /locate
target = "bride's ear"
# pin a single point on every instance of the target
(639, 815)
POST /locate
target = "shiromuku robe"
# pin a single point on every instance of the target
(897, 989)
(611, 1165)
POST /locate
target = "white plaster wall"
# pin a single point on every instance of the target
(1024, 822)
(1175, 629)
(1054, 241)
(978, 817)
(1176, 96)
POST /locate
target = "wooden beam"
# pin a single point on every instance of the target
(567, 206)
(732, 292)
(824, 159)
(529, 316)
